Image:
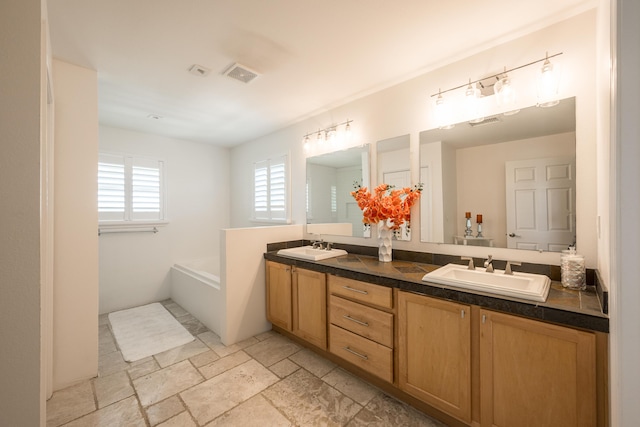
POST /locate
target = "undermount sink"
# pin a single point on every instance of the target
(533, 287)
(310, 253)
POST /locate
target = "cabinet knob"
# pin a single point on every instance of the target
(484, 318)
(462, 313)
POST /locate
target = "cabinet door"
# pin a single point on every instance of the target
(535, 374)
(435, 352)
(279, 295)
(310, 306)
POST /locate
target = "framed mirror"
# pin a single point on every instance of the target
(514, 175)
(331, 210)
(394, 168)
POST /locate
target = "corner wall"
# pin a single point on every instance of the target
(135, 267)
(243, 279)
(21, 392)
(75, 295)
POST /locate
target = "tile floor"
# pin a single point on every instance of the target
(267, 380)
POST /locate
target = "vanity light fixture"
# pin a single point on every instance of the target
(472, 103)
(548, 85)
(329, 134)
(505, 94)
(443, 113)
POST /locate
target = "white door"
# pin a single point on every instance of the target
(541, 199)
(399, 179)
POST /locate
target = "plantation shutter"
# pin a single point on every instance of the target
(111, 188)
(130, 189)
(146, 200)
(277, 189)
(270, 189)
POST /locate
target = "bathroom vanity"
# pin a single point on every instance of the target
(464, 357)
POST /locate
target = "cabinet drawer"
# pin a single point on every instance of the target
(365, 321)
(368, 355)
(361, 291)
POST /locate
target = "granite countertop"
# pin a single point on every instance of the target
(580, 309)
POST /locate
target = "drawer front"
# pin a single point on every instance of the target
(365, 321)
(368, 355)
(361, 291)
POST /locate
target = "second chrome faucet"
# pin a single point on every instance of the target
(488, 264)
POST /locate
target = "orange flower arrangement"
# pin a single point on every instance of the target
(386, 204)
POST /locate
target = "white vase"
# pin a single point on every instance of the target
(385, 236)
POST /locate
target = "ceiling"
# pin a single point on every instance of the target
(311, 55)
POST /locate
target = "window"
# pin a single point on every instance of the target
(270, 190)
(130, 189)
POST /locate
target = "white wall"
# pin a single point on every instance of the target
(625, 228)
(242, 279)
(75, 299)
(135, 267)
(407, 109)
(21, 385)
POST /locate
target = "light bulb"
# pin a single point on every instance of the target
(505, 94)
(472, 103)
(548, 82)
(443, 113)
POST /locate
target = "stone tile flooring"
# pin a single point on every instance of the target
(267, 380)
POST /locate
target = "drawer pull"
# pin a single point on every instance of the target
(360, 355)
(349, 288)
(359, 322)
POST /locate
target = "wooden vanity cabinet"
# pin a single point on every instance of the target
(361, 329)
(279, 308)
(434, 352)
(297, 302)
(309, 295)
(535, 374)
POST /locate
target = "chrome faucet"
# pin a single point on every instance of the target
(328, 246)
(468, 258)
(317, 244)
(488, 264)
(508, 270)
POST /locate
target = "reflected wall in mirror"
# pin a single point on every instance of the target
(394, 168)
(516, 171)
(331, 210)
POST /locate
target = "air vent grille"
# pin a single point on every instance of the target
(241, 73)
(199, 70)
(486, 121)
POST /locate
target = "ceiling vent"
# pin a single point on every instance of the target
(241, 73)
(199, 70)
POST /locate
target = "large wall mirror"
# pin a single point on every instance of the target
(331, 210)
(394, 168)
(515, 171)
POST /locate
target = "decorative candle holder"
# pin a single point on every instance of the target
(479, 221)
(468, 232)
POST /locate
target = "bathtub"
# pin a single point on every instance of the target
(195, 286)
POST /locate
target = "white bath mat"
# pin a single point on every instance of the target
(147, 330)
